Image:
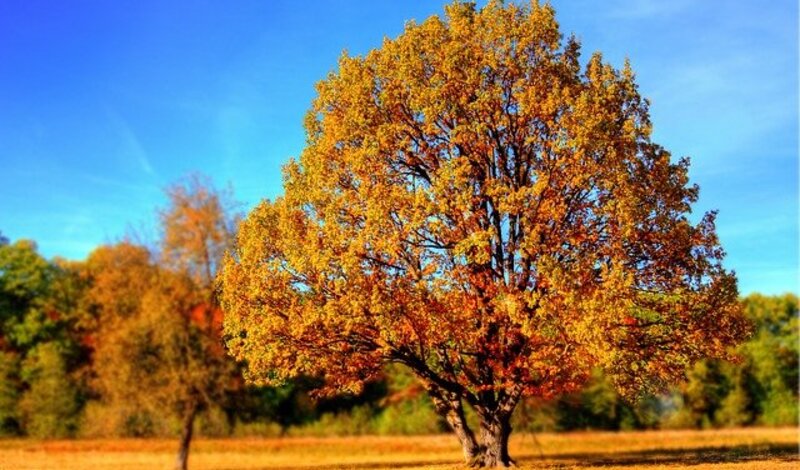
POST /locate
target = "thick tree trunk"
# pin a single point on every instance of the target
(186, 437)
(495, 430)
(495, 425)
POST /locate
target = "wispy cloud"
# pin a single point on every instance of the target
(131, 147)
(118, 184)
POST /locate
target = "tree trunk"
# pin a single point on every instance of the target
(452, 410)
(495, 430)
(495, 426)
(186, 437)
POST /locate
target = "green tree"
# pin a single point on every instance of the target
(25, 278)
(736, 408)
(39, 345)
(700, 396)
(49, 405)
(772, 357)
(760, 386)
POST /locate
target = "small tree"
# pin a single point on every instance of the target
(197, 228)
(475, 206)
(161, 343)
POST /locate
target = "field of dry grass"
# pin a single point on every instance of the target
(771, 449)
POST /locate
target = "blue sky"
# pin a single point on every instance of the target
(102, 104)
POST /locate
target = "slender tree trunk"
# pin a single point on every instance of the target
(452, 410)
(186, 437)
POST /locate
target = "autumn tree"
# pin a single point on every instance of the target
(120, 276)
(160, 345)
(198, 226)
(476, 205)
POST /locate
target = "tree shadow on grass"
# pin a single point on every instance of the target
(382, 464)
(688, 456)
(684, 457)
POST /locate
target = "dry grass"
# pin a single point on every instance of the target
(771, 449)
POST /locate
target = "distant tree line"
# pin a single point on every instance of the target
(128, 343)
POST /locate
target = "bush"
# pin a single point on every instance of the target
(354, 422)
(98, 420)
(213, 422)
(780, 409)
(257, 429)
(535, 415)
(124, 420)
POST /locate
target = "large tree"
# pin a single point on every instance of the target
(477, 206)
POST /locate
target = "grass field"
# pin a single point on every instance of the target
(724, 449)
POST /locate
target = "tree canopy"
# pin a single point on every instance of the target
(476, 205)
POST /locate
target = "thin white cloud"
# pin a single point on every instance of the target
(119, 185)
(131, 147)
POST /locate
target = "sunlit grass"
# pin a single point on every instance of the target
(721, 449)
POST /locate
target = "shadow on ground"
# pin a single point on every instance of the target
(633, 459)
(690, 456)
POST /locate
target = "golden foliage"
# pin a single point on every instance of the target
(474, 204)
(197, 228)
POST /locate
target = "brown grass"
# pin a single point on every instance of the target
(771, 449)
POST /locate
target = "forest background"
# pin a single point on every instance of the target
(128, 343)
